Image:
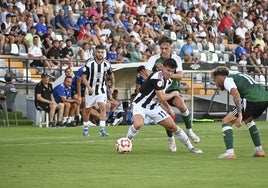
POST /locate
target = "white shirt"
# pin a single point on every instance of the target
(35, 51)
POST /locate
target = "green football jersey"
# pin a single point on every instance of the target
(249, 89)
(175, 85)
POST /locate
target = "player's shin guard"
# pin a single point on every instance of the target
(131, 132)
(186, 116)
(227, 131)
(182, 136)
(254, 133)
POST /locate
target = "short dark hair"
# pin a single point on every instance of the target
(140, 68)
(100, 46)
(165, 39)
(220, 70)
(171, 63)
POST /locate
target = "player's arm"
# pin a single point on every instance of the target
(163, 97)
(78, 87)
(178, 75)
(238, 103)
(85, 82)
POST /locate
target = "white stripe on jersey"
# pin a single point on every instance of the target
(96, 75)
(147, 96)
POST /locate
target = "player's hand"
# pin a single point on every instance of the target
(143, 74)
(159, 66)
(238, 121)
(90, 90)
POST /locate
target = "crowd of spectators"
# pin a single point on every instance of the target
(130, 29)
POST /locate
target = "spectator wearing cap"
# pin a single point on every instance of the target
(8, 84)
(44, 99)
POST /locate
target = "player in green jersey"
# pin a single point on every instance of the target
(251, 100)
(155, 63)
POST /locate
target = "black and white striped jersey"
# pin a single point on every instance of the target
(147, 95)
(96, 75)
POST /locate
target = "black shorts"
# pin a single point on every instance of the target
(43, 106)
(253, 109)
(170, 101)
(37, 63)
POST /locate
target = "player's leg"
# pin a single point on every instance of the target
(102, 107)
(178, 102)
(160, 116)
(138, 120)
(227, 131)
(139, 114)
(169, 124)
(254, 110)
(89, 102)
(171, 140)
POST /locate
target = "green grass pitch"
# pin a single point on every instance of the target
(63, 158)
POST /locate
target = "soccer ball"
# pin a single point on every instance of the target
(123, 145)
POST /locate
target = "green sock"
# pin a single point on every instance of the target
(255, 136)
(227, 131)
(187, 121)
(169, 133)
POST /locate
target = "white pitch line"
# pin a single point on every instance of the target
(69, 142)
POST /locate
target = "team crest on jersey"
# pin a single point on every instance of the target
(84, 69)
(160, 83)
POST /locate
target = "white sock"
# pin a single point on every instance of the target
(69, 120)
(64, 119)
(102, 124)
(230, 151)
(131, 132)
(181, 135)
(86, 124)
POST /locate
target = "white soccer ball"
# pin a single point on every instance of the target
(123, 145)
